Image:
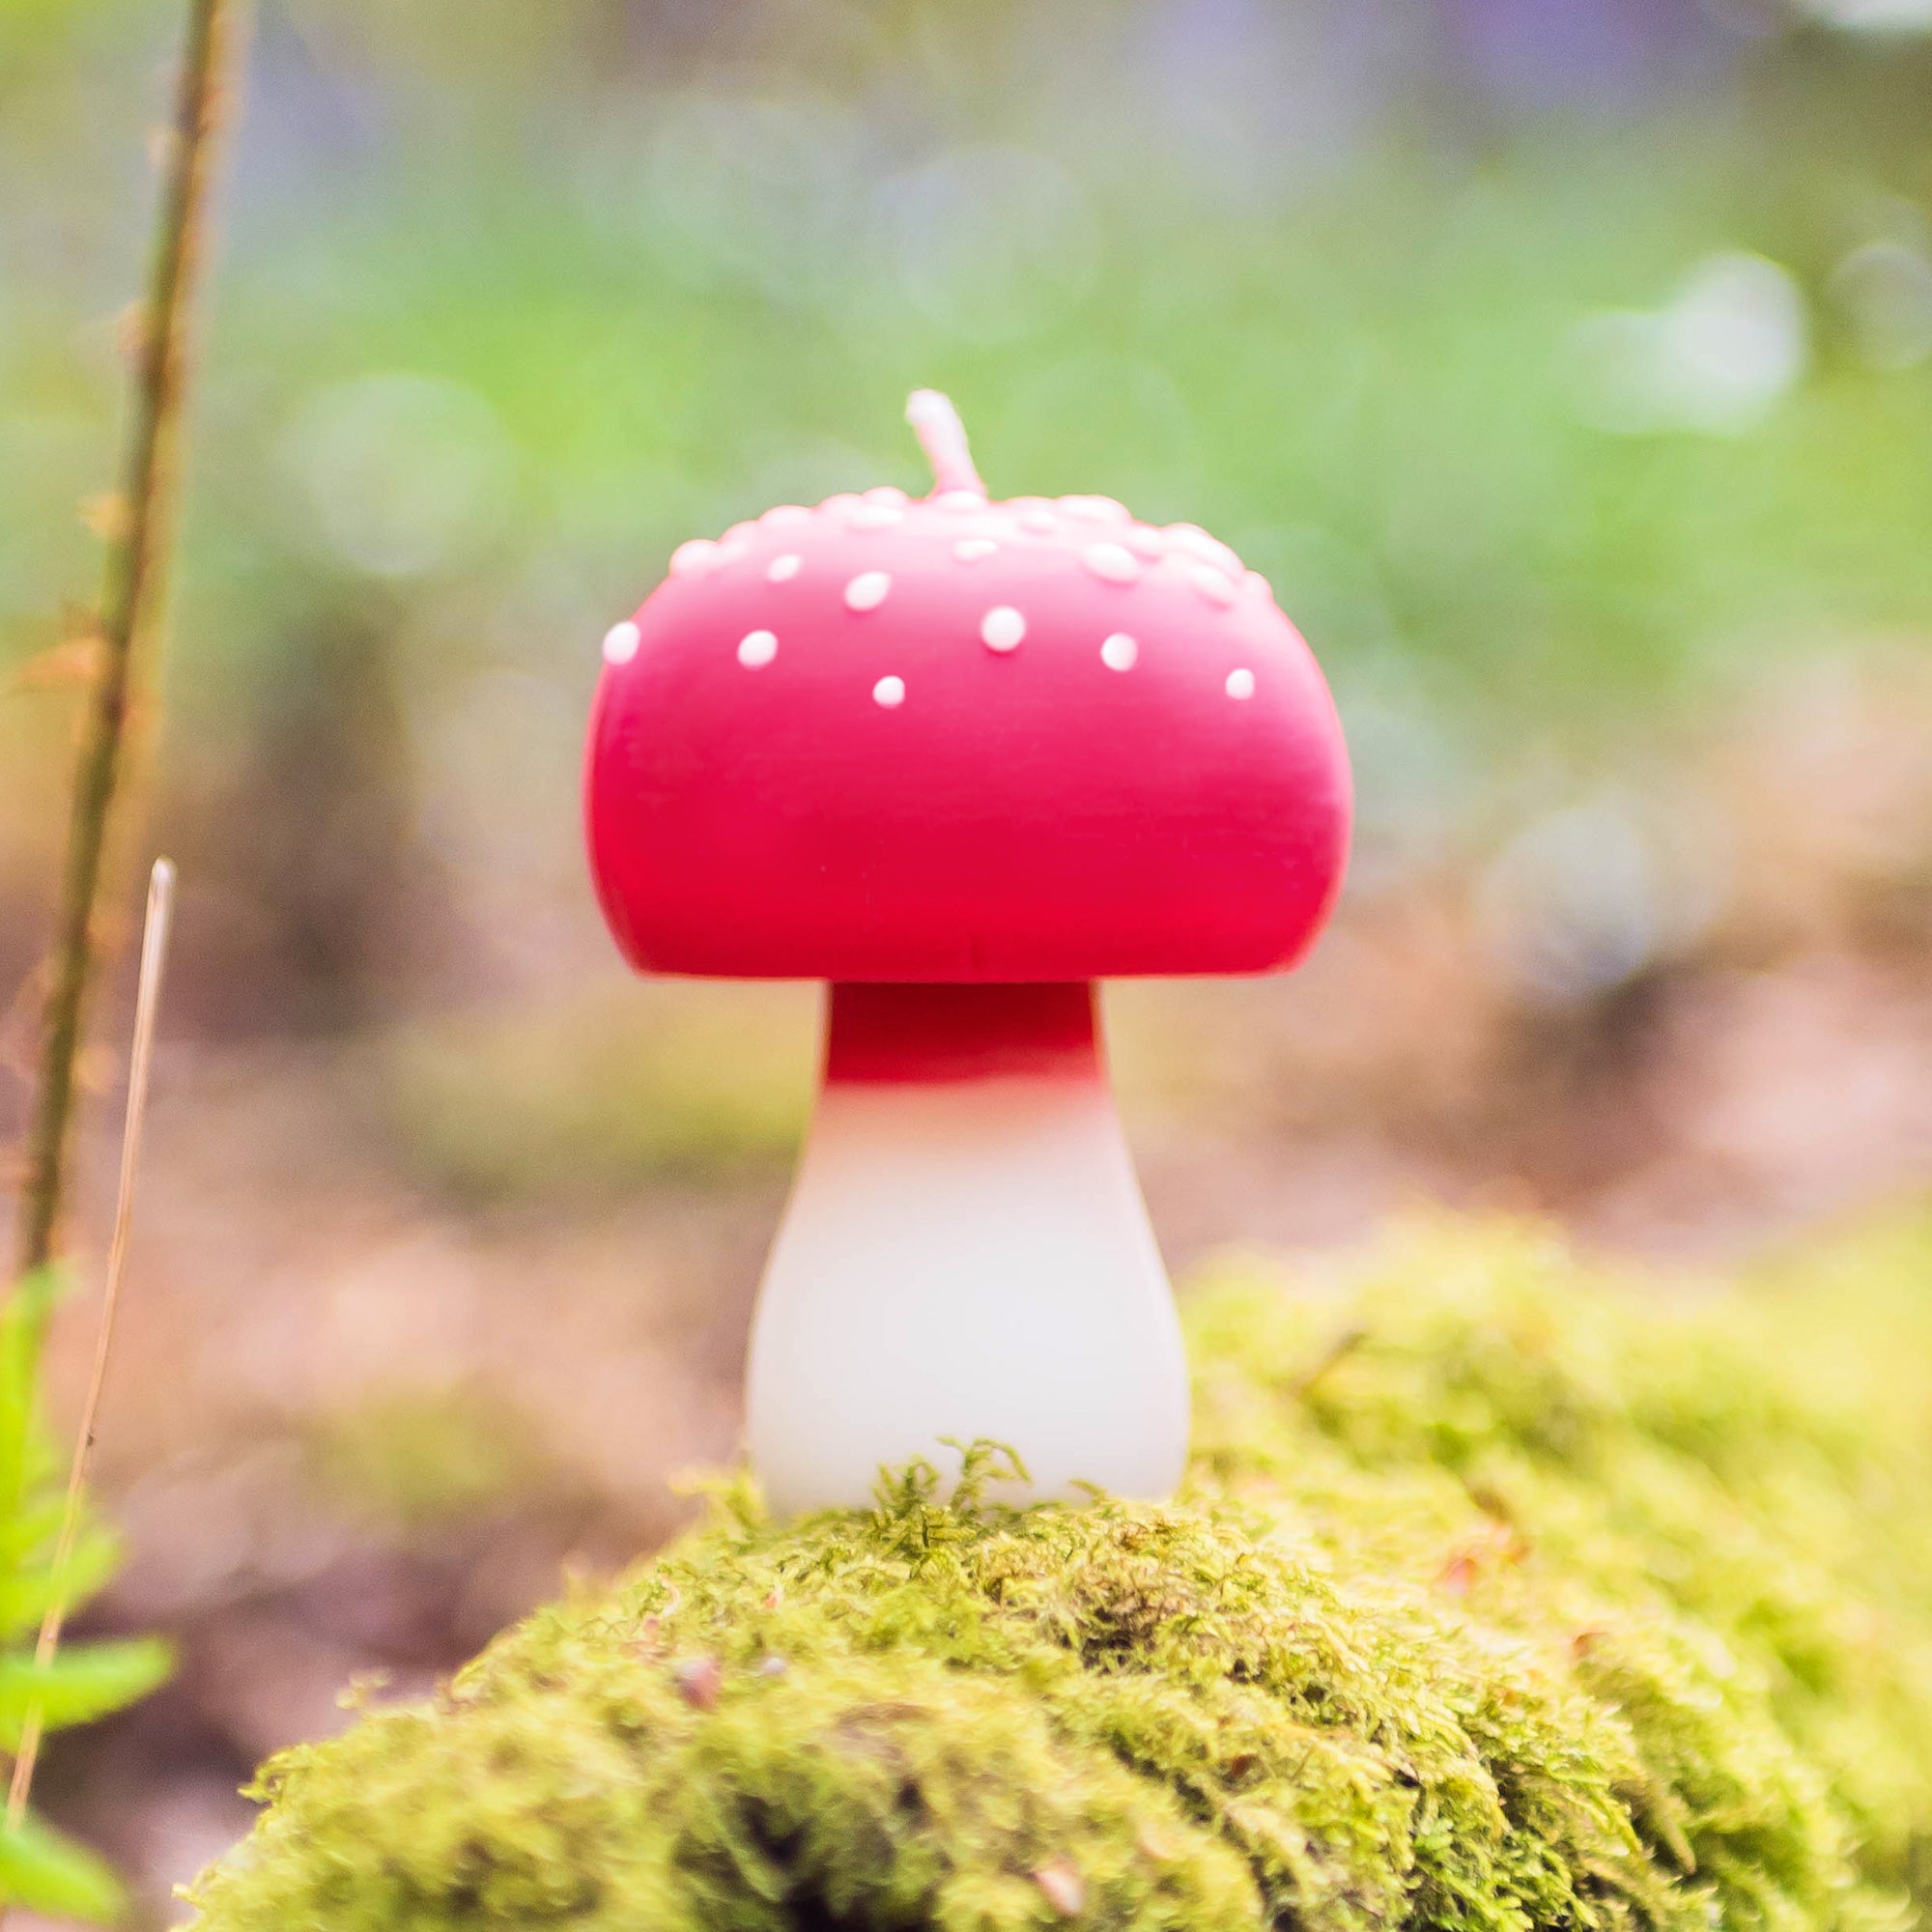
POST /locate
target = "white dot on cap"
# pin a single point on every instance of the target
(1097, 509)
(960, 499)
(1112, 562)
(696, 555)
(620, 643)
(1240, 684)
(786, 513)
(1120, 652)
(868, 590)
(885, 493)
(782, 569)
(1001, 628)
(1210, 583)
(1145, 542)
(876, 516)
(970, 550)
(890, 691)
(1041, 523)
(757, 649)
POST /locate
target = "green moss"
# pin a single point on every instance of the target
(1500, 1600)
(1757, 1469)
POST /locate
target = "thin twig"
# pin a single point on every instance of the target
(137, 546)
(153, 958)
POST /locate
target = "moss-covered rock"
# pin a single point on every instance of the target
(1502, 1598)
(1754, 1467)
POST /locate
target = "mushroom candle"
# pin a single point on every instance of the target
(962, 759)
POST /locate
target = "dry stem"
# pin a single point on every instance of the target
(136, 553)
(154, 957)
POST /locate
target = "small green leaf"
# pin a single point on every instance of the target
(27, 1587)
(23, 1319)
(78, 1685)
(49, 1873)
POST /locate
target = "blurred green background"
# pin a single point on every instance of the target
(1568, 368)
(1564, 367)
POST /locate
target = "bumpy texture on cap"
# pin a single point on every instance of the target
(954, 740)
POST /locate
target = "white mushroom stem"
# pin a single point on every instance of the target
(943, 436)
(966, 1255)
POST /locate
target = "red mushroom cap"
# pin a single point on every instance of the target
(960, 740)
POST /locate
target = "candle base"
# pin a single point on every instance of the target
(966, 1257)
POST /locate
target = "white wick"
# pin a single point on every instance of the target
(943, 436)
